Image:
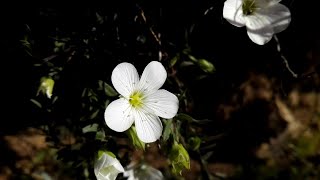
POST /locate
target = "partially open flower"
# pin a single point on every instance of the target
(141, 101)
(263, 18)
(107, 167)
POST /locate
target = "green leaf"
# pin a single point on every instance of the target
(206, 66)
(207, 156)
(174, 60)
(35, 102)
(186, 51)
(100, 19)
(167, 130)
(59, 44)
(179, 158)
(91, 93)
(94, 114)
(109, 90)
(192, 58)
(186, 63)
(100, 135)
(107, 103)
(194, 143)
(132, 133)
(54, 99)
(90, 128)
(93, 98)
(184, 117)
(84, 92)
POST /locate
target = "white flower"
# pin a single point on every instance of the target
(263, 18)
(107, 167)
(141, 101)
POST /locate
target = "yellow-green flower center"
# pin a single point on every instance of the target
(249, 7)
(136, 99)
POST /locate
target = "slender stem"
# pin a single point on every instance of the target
(207, 11)
(295, 75)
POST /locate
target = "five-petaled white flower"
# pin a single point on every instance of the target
(107, 167)
(141, 101)
(262, 18)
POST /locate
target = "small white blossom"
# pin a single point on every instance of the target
(141, 101)
(107, 167)
(262, 18)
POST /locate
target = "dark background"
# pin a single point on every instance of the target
(123, 35)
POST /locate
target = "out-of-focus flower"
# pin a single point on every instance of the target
(107, 166)
(143, 172)
(46, 86)
(141, 101)
(262, 18)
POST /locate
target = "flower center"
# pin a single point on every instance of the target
(136, 99)
(248, 7)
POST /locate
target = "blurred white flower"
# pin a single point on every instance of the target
(262, 18)
(107, 167)
(141, 101)
(143, 172)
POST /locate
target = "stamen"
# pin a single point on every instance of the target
(136, 99)
(249, 7)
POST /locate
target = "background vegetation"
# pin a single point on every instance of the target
(242, 113)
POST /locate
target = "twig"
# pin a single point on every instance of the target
(284, 58)
(206, 12)
(155, 36)
(151, 30)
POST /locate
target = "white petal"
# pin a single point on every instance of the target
(266, 3)
(110, 176)
(153, 77)
(259, 29)
(259, 38)
(279, 17)
(125, 78)
(163, 103)
(232, 12)
(107, 167)
(99, 164)
(104, 161)
(129, 174)
(118, 166)
(107, 173)
(118, 115)
(148, 126)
